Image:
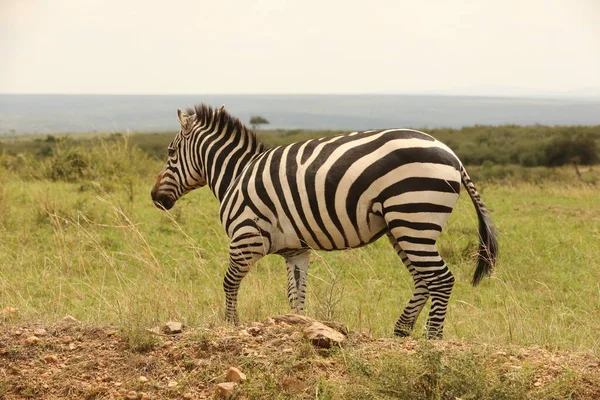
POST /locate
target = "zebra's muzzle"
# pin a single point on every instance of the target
(162, 201)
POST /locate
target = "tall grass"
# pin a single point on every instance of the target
(96, 248)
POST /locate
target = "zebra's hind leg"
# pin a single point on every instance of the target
(420, 248)
(296, 263)
(406, 322)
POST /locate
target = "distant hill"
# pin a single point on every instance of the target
(117, 113)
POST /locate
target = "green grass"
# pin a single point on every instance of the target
(100, 251)
(80, 236)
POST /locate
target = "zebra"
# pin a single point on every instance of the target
(332, 193)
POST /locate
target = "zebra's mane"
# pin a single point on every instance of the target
(206, 114)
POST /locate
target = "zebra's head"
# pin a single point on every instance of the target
(183, 171)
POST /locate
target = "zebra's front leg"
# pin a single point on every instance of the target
(231, 285)
(296, 264)
(244, 251)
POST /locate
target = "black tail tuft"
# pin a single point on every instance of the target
(488, 242)
(488, 247)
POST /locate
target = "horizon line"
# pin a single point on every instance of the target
(427, 94)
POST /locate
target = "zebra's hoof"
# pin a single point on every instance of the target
(435, 335)
(402, 332)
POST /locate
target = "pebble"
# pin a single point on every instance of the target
(254, 330)
(226, 390)
(70, 319)
(31, 340)
(51, 359)
(235, 375)
(172, 327)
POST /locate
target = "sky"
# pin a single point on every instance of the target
(509, 47)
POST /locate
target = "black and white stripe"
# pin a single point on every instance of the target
(331, 193)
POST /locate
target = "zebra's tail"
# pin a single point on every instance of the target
(488, 243)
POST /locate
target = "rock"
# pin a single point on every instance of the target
(51, 359)
(293, 319)
(226, 390)
(66, 339)
(338, 327)
(70, 319)
(172, 384)
(144, 396)
(254, 330)
(172, 327)
(322, 336)
(142, 379)
(40, 332)
(235, 375)
(296, 336)
(292, 384)
(131, 395)
(31, 340)
(188, 395)
(7, 311)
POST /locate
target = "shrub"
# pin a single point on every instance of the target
(571, 147)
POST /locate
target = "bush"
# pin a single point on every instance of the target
(571, 147)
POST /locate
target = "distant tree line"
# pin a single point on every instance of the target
(527, 146)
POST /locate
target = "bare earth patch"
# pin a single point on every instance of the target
(274, 357)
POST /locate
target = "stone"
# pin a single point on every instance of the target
(293, 319)
(131, 395)
(226, 390)
(70, 319)
(173, 327)
(7, 311)
(40, 332)
(31, 340)
(172, 384)
(254, 330)
(144, 396)
(66, 339)
(292, 384)
(322, 336)
(142, 379)
(235, 375)
(51, 359)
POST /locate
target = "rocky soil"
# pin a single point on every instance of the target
(287, 355)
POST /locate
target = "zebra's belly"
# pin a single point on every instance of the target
(335, 236)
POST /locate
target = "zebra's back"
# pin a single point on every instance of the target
(334, 193)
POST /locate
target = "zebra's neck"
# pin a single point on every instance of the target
(226, 148)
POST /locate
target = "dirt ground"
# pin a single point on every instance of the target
(68, 359)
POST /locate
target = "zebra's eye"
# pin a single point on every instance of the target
(171, 152)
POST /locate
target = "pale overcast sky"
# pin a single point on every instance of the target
(324, 46)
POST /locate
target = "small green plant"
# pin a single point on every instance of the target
(138, 339)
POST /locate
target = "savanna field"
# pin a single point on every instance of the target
(80, 237)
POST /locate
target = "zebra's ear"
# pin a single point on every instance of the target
(185, 120)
